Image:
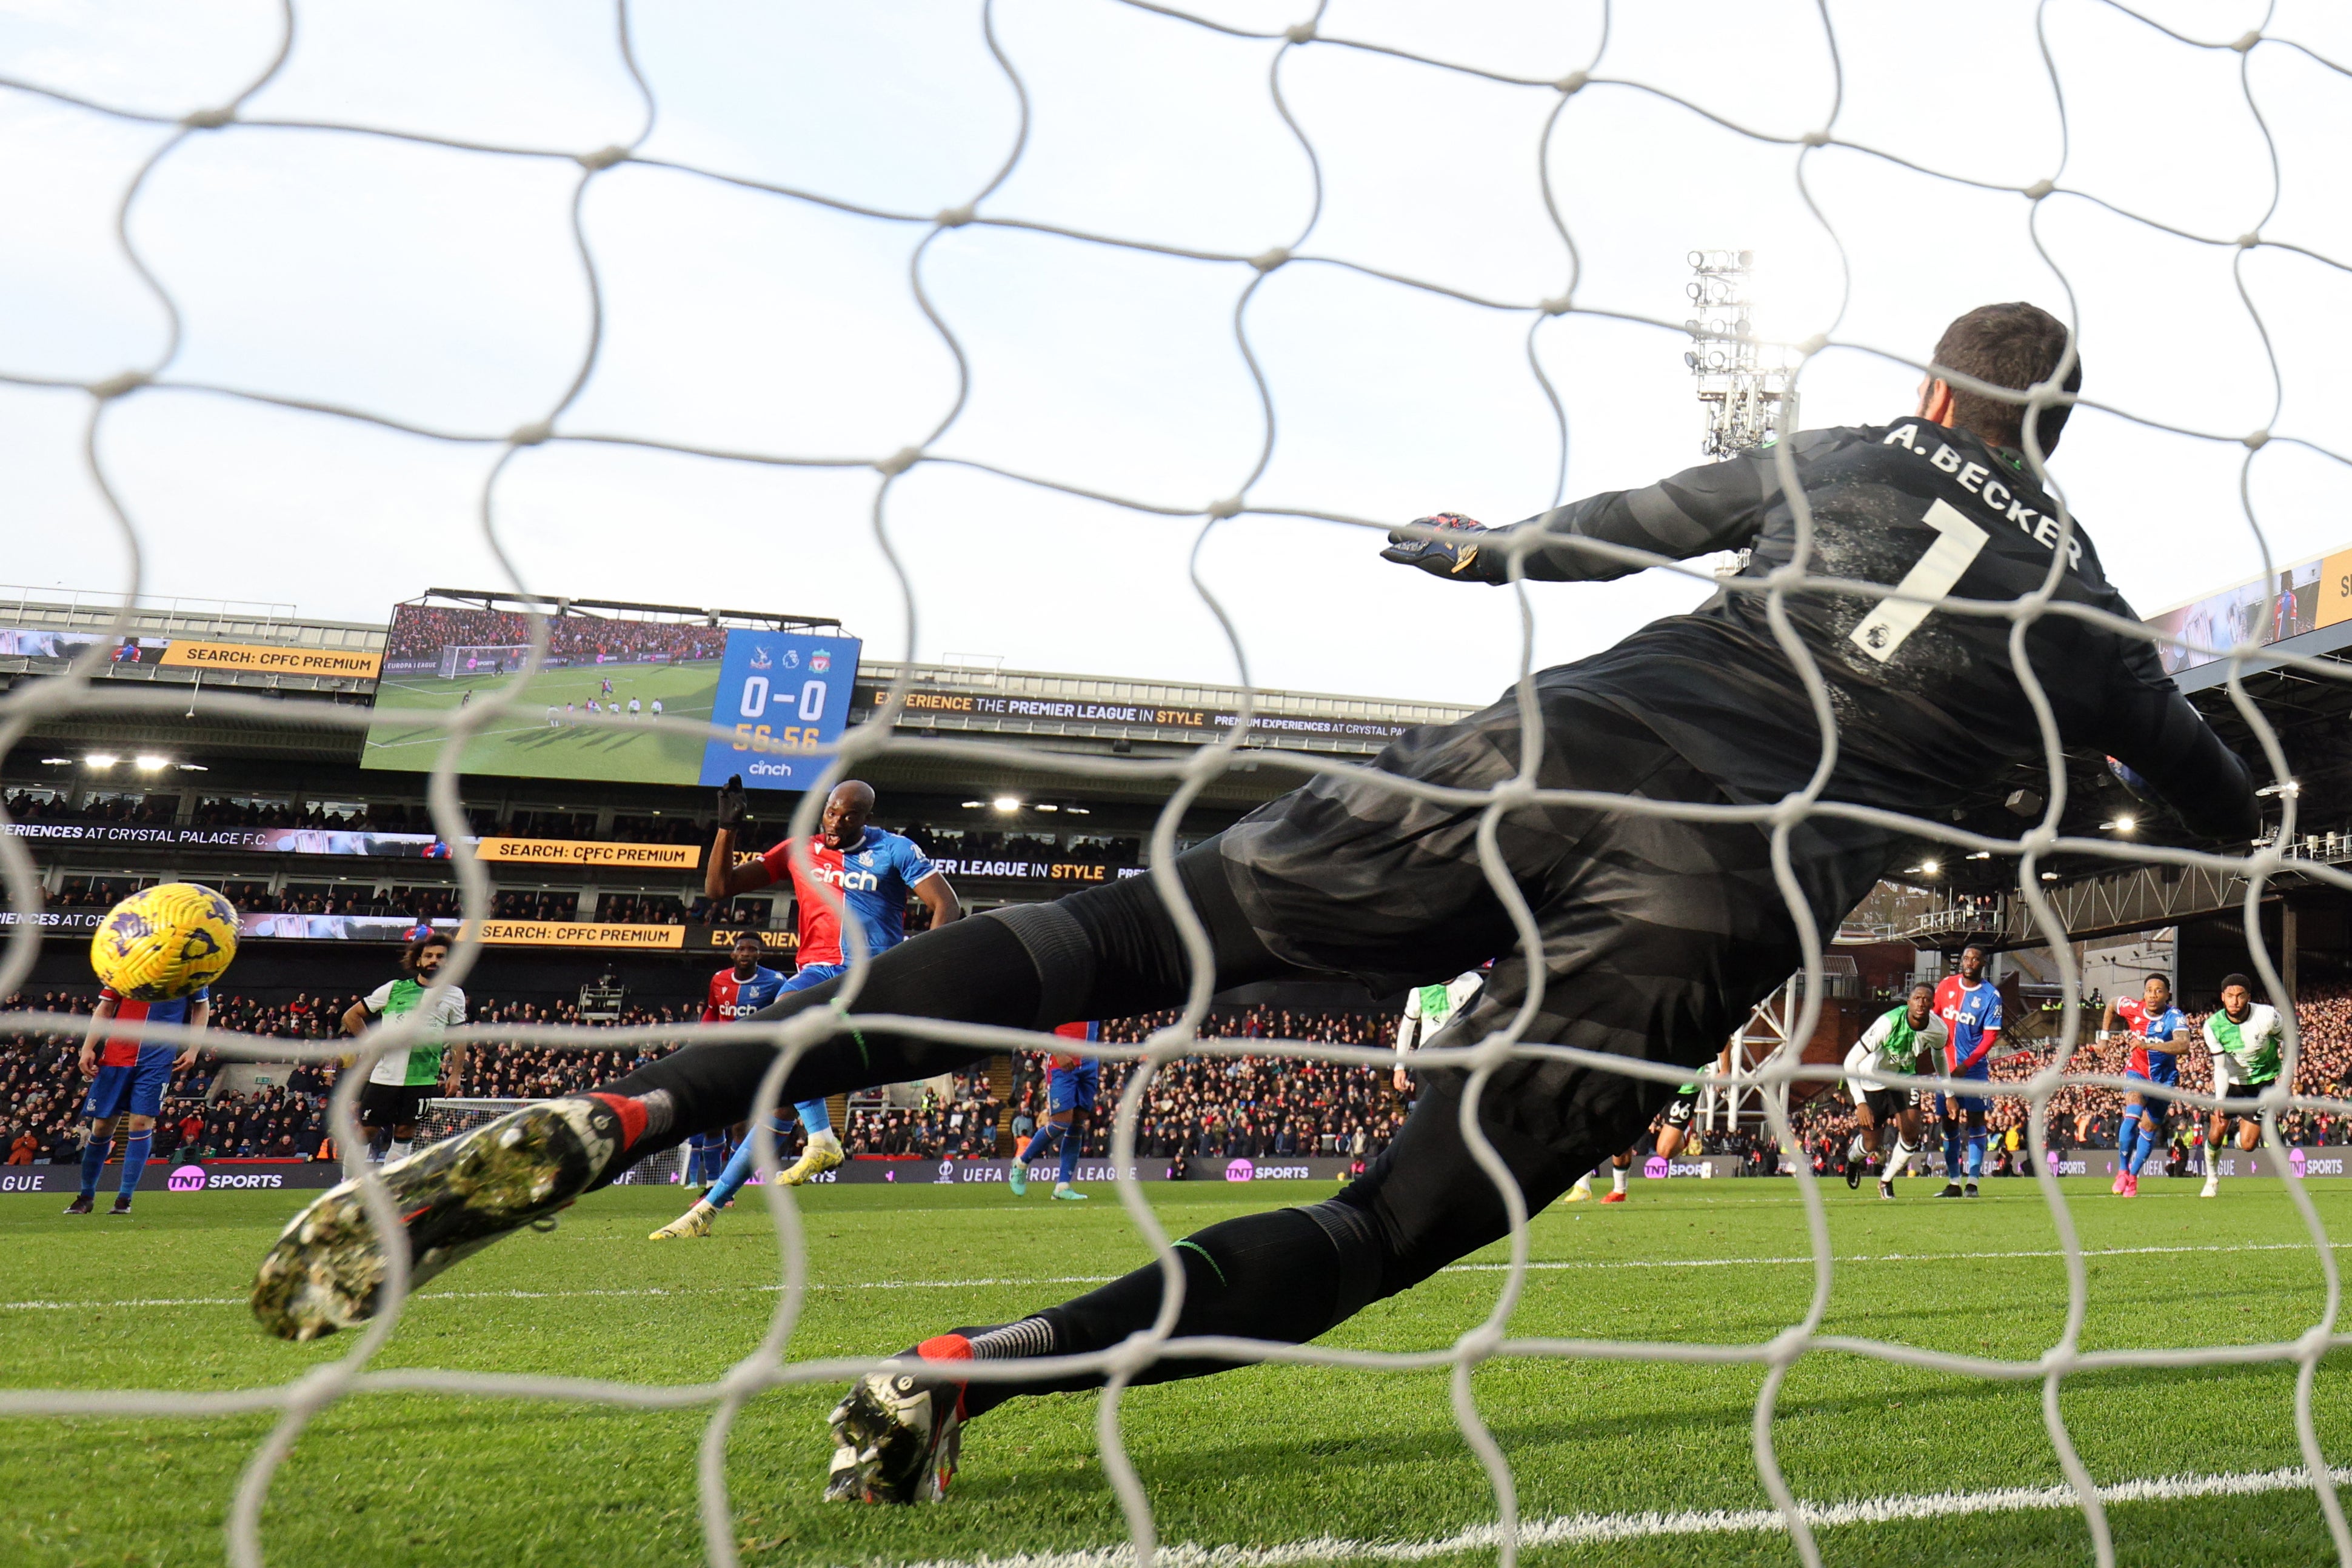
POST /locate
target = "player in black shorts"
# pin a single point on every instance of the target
(1674, 1130)
(1896, 1042)
(1657, 934)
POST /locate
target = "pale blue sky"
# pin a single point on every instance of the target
(441, 288)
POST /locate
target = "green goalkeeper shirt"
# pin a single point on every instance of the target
(2253, 1046)
(420, 1062)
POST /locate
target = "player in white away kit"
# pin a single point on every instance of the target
(1427, 1009)
(392, 1099)
(2246, 1037)
(1892, 1044)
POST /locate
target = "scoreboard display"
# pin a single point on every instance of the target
(785, 694)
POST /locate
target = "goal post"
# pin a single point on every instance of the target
(477, 658)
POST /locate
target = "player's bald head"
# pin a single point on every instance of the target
(845, 810)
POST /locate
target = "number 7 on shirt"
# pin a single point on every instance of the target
(1893, 620)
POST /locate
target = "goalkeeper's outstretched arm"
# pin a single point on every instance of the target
(1713, 507)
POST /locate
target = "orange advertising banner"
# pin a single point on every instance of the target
(273, 659)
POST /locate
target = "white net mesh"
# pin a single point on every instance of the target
(1551, 91)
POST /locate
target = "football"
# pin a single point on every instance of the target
(164, 941)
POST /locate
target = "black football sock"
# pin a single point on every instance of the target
(1283, 1276)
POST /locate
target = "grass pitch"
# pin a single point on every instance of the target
(524, 743)
(1260, 1457)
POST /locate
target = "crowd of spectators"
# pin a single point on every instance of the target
(1204, 1107)
(91, 893)
(961, 1124)
(421, 631)
(41, 1084)
(642, 909)
(1201, 1107)
(25, 806)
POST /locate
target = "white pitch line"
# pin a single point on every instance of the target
(1596, 1529)
(654, 1290)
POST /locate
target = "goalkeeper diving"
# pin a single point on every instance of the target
(1657, 934)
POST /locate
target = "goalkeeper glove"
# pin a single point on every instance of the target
(1440, 558)
(731, 804)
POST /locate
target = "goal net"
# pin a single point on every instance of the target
(484, 659)
(1309, 326)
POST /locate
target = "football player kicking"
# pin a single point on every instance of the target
(2245, 1036)
(2154, 1027)
(1657, 929)
(855, 870)
(1893, 1043)
(128, 1079)
(1072, 1085)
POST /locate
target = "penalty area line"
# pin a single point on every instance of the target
(1534, 1268)
(1597, 1529)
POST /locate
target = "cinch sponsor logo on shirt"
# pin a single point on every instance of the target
(845, 880)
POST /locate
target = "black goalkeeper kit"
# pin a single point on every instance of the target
(1658, 935)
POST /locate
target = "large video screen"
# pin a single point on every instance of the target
(587, 713)
(2301, 597)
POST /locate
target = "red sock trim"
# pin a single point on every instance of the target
(945, 1347)
(630, 1112)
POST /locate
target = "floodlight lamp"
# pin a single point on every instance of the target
(1006, 802)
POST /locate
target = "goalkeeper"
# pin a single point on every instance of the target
(1657, 934)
